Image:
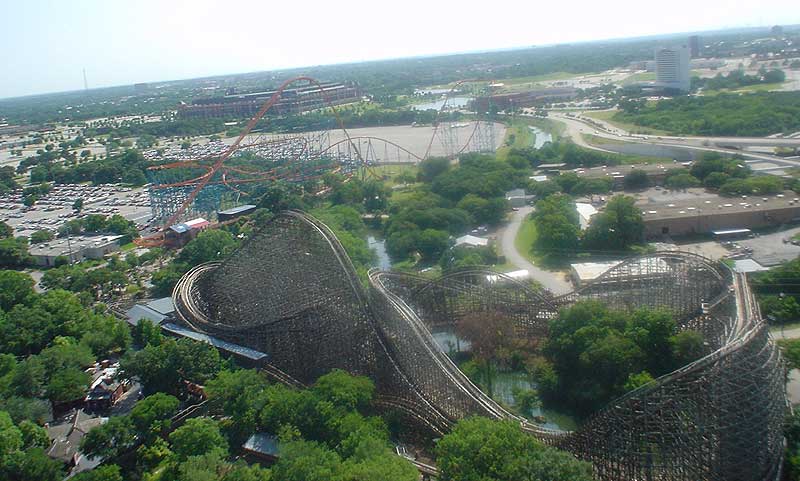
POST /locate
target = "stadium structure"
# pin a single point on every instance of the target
(291, 293)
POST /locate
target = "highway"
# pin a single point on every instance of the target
(576, 126)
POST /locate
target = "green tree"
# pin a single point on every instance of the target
(109, 472)
(344, 390)
(196, 437)
(209, 245)
(146, 332)
(15, 288)
(110, 439)
(10, 436)
(681, 181)
(482, 449)
(432, 167)
(31, 465)
(151, 416)
(557, 225)
(617, 227)
(306, 461)
(33, 435)
(41, 236)
(636, 179)
(6, 230)
(67, 385)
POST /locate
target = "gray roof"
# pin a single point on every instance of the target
(218, 343)
(139, 312)
(162, 306)
(236, 210)
(262, 443)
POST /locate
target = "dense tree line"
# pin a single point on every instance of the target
(779, 292)
(618, 227)
(757, 114)
(128, 167)
(594, 354)
(450, 200)
(738, 78)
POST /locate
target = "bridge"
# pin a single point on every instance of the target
(292, 292)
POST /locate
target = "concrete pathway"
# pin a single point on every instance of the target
(554, 281)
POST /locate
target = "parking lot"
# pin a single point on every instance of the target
(54, 209)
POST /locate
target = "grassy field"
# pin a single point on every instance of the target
(390, 172)
(518, 136)
(608, 116)
(639, 77)
(625, 159)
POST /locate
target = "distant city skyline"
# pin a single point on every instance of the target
(46, 44)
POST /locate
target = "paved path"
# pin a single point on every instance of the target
(554, 281)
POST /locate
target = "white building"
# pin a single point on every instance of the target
(672, 68)
(585, 213)
(472, 241)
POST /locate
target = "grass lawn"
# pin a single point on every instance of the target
(625, 159)
(525, 239)
(522, 137)
(639, 77)
(608, 116)
(128, 247)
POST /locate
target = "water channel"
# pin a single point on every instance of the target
(541, 137)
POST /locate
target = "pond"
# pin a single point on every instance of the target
(378, 244)
(542, 137)
(504, 384)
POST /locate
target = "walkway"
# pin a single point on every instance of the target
(554, 281)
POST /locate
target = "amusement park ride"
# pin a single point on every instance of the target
(197, 186)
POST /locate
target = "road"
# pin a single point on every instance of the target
(575, 127)
(554, 281)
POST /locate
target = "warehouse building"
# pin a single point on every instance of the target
(74, 249)
(291, 101)
(522, 99)
(709, 214)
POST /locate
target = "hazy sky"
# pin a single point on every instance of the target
(45, 44)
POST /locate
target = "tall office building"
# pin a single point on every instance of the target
(672, 68)
(694, 46)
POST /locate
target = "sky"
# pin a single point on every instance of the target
(46, 44)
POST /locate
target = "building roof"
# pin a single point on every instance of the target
(538, 178)
(139, 312)
(218, 343)
(471, 240)
(748, 265)
(162, 306)
(519, 275)
(197, 223)
(237, 210)
(515, 193)
(717, 205)
(262, 443)
(587, 271)
(66, 440)
(62, 246)
(180, 228)
(585, 213)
